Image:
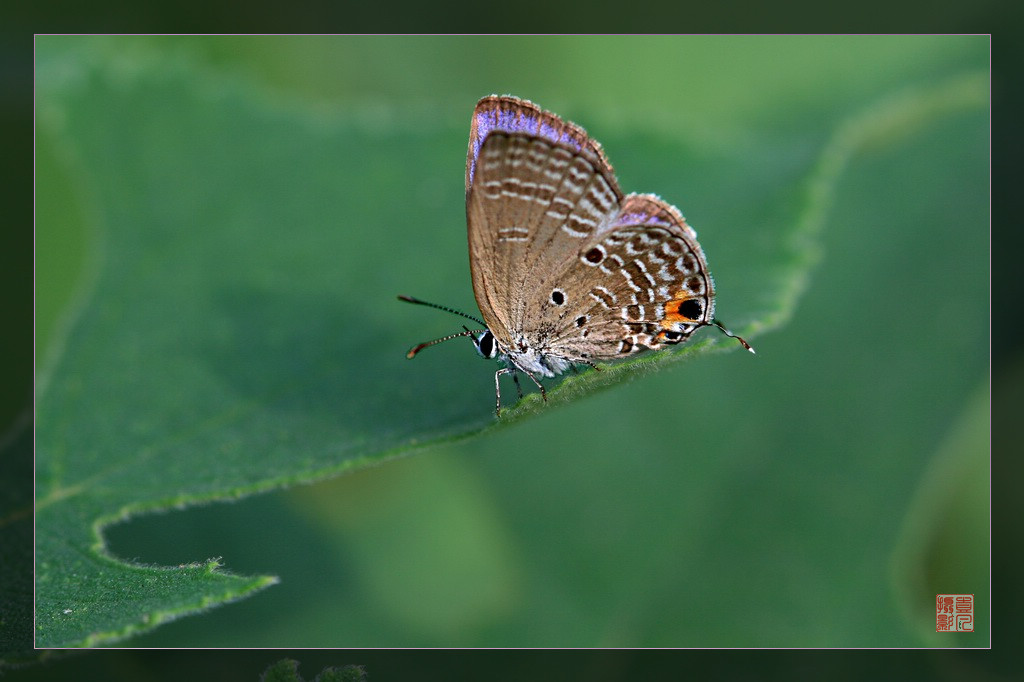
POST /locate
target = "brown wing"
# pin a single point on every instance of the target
(538, 189)
(641, 284)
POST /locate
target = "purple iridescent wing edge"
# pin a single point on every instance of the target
(512, 114)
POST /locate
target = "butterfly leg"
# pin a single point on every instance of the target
(514, 371)
(582, 361)
(497, 388)
(543, 393)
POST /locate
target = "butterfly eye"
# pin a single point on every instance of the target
(485, 344)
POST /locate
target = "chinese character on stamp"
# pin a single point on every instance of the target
(954, 613)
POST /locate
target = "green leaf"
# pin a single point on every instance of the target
(234, 327)
(287, 670)
(946, 521)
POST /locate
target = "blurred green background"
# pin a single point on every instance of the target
(817, 495)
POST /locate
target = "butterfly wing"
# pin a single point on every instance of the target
(642, 283)
(537, 189)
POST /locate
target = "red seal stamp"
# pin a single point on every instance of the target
(954, 613)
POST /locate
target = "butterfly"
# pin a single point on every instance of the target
(566, 269)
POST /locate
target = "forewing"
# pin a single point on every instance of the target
(538, 189)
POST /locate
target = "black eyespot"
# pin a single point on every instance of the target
(581, 320)
(691, 308)
(672, 336)
(594, 255)
(558, 297)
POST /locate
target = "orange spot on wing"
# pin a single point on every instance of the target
(672, 314)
